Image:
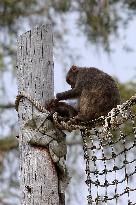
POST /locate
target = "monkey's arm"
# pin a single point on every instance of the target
(70, 94)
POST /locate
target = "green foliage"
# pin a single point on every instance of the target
(127, 90)
(10, 11)
(8, 143)
(98, 19)
(61, 5)
(131, 4)
(1, 62)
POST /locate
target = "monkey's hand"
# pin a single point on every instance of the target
(58, 96)
(49, 105)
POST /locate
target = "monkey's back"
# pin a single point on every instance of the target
(99, 94)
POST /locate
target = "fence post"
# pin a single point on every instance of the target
(39, 179)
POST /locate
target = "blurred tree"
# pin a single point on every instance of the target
(11, 11)
(98, 20)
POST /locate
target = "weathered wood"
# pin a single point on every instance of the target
(39, 180)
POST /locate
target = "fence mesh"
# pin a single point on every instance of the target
(110, 156)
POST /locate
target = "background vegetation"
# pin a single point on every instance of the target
(97, 23)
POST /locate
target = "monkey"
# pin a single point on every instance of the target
(64, 110)
(95, 91)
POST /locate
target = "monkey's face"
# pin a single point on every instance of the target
(71, 81)
(72, 76)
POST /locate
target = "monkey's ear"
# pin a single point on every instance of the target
(74, 68)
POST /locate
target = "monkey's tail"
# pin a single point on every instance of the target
(21, 95)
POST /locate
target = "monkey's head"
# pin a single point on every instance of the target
(72, 76)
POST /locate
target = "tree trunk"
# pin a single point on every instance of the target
(39, 179)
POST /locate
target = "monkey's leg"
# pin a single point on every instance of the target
(72, 112)
(87, 105)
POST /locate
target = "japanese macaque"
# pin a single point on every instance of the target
(96, 92)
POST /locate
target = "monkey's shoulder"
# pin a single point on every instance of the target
(95, 78)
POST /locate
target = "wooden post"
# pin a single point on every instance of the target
(39, 178)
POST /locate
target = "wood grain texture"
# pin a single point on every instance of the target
(39, 181)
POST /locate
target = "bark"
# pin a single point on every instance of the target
(39, 179)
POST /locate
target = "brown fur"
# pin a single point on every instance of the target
(95, 91)
(63, 109)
